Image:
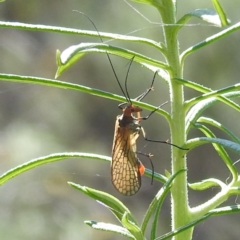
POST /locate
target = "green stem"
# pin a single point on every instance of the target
(180, 208)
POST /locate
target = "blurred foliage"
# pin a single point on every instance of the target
(36, 121)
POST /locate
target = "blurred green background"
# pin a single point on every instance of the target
(36, 121)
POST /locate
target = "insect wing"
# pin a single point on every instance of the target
(126, 169)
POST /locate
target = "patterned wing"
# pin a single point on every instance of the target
(126, 168)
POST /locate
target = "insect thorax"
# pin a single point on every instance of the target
(130, 122)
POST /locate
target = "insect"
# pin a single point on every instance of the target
(126, 168)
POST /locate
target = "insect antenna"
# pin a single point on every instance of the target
(126, 95)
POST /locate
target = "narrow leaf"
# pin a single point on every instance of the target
(205, 15)
(47, 159)
(157, 202)
(61, 30)
(110, 228)
(220, 150)
(196, 111)
(132, 227)
(221, 127)
(70, 55)
(207, 183)
(210, 40)
(223, 142)
(183, 228)
(215, 212)
(113, 204)
(151, 2)
(77, 87)
(226, 210)
(221, 13)
(217, 93)
(204, 89)
(160, 197)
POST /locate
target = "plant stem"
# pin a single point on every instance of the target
(179, 198)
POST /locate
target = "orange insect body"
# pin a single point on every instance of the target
(126, 168)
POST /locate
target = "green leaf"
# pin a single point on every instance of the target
(81, 88)
(198, 108)
(210, 93)
(157, 203)
(209, 40)
(70, 55)
(185, 227)
(226, 210)
(132, 227)
(220, 150)
(109, 201)
(234, 190)
(217, 93)
(205, 15)
(47, 159)
(167, 174)
(160, 197)
(112, 36)
(60, 84)
(62, 66)
(110, 228)
(214, 212)
(150, 2)
(221, 13)
(223, 142)
(207, 183)
(157, 176)
(221, 127)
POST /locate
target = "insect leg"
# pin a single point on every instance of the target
(144, 94)
(147, 117)
(149, 155)
(159, 141)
